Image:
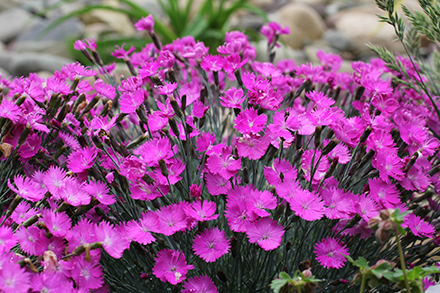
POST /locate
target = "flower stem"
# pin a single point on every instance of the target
(364, 281)
(402, 262)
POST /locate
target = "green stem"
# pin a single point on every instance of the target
(364, 281)
(402, 262)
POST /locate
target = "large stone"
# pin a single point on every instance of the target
(19, 64)
(282, 52)
(304, 23)
(58, 48)
(338, 40)
(12, 22)
(361, 25)
(71, 28)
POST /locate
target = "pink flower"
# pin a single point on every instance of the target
(307, 205)
(171, 266)
(232, 98)
(205, 141)
(212, 63)
(320, 99)
(272, 30)
(87, 275)
(167, 89)
(339, 205)
(155, 150)
(130, 101)
(166, 59)
(132, 168)
(383, 193)
(146, 24)
(120, 53)
(7, 239)
(143, 191)
(233, 62)
(14, 279)
(10, 110)
(282, 170)
(26, 188)
(329, 61)
(211, 244)
(249, 122)
(202, 211)
(258, 201)
(140, 231)
(340, 152)
(389, 165)
(217, 184)
(54, 180)
(223, 164)
(105, 90)
(418, 226)
(32, 240)
(73, 192)
(266, 233)
(284, 124)
(330, 253)
(252, 146)
(58, 224)
(99, 190)
(172, 218)
(320, 169)
(113, 242)
(81, 160)
(202, 284)
(416, 180)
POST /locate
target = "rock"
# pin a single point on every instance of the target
(304, 23)
(246, 21)
(338, 40)
(95, 30)
(57, 48)
(19, 64)
(7, 4)
(12, 22)
(261, 3)
(119, 22)
(311, 50)
(283, 52)
(71, 28)
(361, 25)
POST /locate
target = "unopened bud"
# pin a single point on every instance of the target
(318, 130)
(173, 126)
(365, 135)
(163, 168)
(245, 175)
(221, 275)
(330, 146)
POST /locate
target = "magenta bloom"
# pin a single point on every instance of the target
(140, 231)
(171, 266)
(252, 146)
(383, 193)
(232, 98)
(273, 29)
(217, 184)
(307, 205)
(266, 233)
(9, 110)
(258, 201)
(166, 59)
(202, 211)
(7, 239)
(132, 168)
(223, 164)
(202, 284)
(81, 160)
(418, 226)
(87, 275)
(282, 171)
(57, 223)
(73, 192)
(145, 24)
(249, 122)
(99, 190)
(14, 279)
(120, 53)
(212, 63)
(32, 240)
(130, 101)
(211, 244)
(113, 242)
(172, 219)
(155, 150)
(330, 253)
(26, 188)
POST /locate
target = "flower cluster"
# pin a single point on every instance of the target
(200, 168)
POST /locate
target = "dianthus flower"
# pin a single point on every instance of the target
(113, 242)
(58, 224)
(418, 227)
(217, 184)
(171, 266)
(130, 101)
(172, 219)
(202, 211)
(272, 30)
(249, 122)
(146, 24)
(258, 201)
(13, 278)
(99, 190)
(307, 205)
(212, 63)
(252, 146)
(26, 188)
(383, 193)
(140, 231)
(211, 244)
(87, 275)
(120, 53)
(282, 171)
(330, 253)
(81, 160)
(202, 284)
(223, 164)
(7, 239)
(266, 233)
(232, 98)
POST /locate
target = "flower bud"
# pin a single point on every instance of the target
(365, 135)
(173, 126)
(163, 168)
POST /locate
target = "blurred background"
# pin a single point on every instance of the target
(38, 35)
